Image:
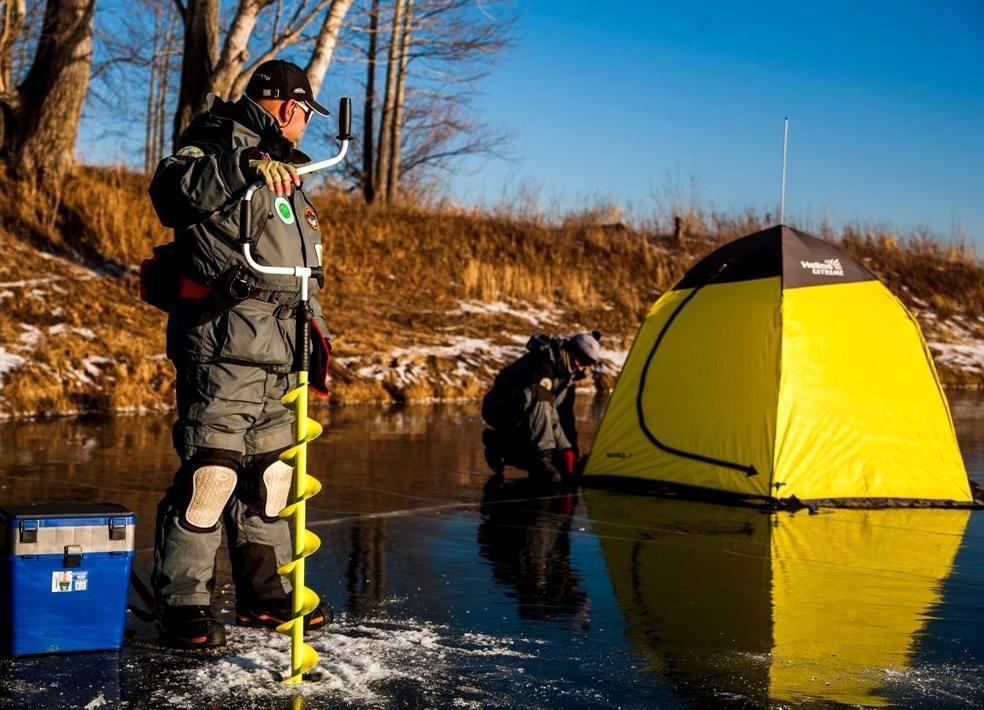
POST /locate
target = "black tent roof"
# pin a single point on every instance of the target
(800, 258)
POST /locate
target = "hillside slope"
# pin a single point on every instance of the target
(423, 303)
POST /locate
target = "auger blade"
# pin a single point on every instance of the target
(289, 400)
(314, 429)
(312, 486)
(308, 660)
(311, 545)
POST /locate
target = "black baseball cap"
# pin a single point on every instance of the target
(282, 80)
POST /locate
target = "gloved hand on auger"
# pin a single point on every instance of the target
(277, 176)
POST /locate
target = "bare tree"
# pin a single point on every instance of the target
(199, 58)
(384, 144)
(324, 48)
(226, 73)
(367, 177)
(11, 29)
(437, 52)
(396, 124)
(44, 111)
(163, 49)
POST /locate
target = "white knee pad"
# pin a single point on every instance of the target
(276, 487)
(211, 487)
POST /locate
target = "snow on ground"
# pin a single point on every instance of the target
(547, 313)
(9, 361)
(359, 661)
(61, 328)
(968, 357)
(406, 366)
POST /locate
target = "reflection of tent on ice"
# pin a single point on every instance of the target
(776, 367)
(727, 600)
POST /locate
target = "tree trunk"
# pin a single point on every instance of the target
(284, 38)
(235, 51)
(396, 126)
(170, 49)
(150, 125)
(13, 18)
(324, 49)
(368, 139)
(163, 48)
(389, 100)
(52, 94)
(201, 54)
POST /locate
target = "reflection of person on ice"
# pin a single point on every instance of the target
(531, 407)
(231, 335)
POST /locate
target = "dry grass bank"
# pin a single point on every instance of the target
(413, 291)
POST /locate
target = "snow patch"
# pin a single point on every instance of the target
(8, 362)
(62, 328)
(961, 356)
(30, 336)
(96, 702)
(410, 365)
(360, 662)
(547, 314)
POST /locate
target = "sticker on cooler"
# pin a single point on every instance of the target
(69, 581)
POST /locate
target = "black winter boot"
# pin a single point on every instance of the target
(542, 469)
(191, 627)
(272, 613)
(493, 451)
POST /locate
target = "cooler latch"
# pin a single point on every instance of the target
(117, 529)
(29, 531)
(73, 556)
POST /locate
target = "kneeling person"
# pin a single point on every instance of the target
(530, 406)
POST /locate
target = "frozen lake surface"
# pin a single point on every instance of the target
(535, 599)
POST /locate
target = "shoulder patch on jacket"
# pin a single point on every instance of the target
(189, 152)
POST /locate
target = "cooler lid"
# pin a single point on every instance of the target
(45, 512)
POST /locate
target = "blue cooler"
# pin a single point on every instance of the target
(64, 575)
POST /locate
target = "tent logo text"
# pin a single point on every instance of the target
(827, 267)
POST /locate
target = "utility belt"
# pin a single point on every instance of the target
(225, 292)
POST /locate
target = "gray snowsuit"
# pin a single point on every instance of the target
(531, 403)
(232, 355)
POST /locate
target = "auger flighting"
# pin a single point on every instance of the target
(305, 543)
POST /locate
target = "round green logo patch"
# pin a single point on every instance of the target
(282, 207)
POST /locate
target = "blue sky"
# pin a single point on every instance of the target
(645, 103)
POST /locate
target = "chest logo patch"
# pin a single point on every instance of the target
(282, 207)
(190, 152)
(311, 217)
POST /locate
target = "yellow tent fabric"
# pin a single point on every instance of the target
(729, 601)
(779, 367)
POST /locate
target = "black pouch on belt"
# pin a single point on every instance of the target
(231, 287)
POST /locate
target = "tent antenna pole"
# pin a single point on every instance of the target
(782, 184)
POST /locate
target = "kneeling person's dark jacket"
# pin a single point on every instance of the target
(539, 376)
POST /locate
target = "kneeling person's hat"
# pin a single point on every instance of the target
(282, 80)
(585, 347)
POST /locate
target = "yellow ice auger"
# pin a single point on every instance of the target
(305, 543)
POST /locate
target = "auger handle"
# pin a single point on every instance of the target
(344, 119)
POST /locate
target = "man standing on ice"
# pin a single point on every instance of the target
(531, 407)
(231, 336)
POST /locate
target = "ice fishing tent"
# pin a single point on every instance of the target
(779, 366)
